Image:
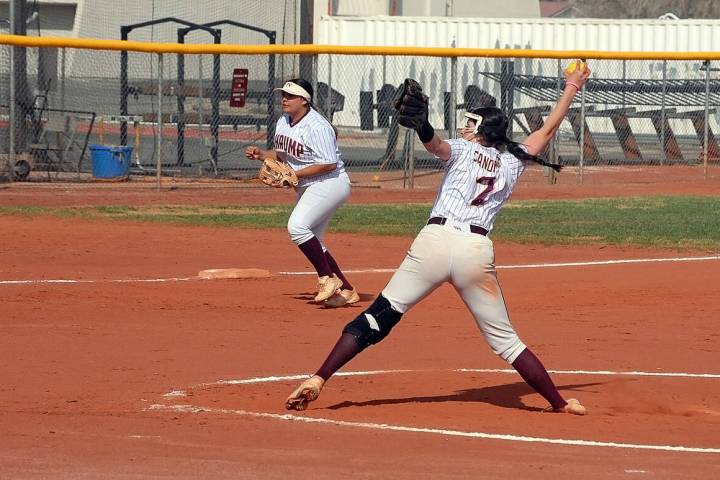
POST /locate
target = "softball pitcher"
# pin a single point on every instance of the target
(307, 142)
(481, 170)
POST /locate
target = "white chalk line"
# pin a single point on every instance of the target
(437, 431)
(548, 265)
(372, 270)
(467, 370)
(600, 372)
(122, 280)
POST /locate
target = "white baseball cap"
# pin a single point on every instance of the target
(294, 89)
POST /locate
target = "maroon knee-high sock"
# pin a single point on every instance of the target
(344, 350)
(336, 270)
(533, 372)
(313, 250)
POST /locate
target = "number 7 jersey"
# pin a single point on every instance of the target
(478, 180)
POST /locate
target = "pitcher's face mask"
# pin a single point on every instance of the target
(475, 118)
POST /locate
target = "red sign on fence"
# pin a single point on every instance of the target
(238, 91)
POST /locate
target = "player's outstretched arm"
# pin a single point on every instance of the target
(438, 147)
(538, 140)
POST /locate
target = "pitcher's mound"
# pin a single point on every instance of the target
(234, 273)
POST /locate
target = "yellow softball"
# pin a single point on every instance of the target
(573, 65)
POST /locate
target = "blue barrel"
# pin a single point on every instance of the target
(110, 163)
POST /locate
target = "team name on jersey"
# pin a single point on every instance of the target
(487, 163)
(287, 144)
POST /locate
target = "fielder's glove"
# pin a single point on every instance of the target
(275, 173)
(411, 104)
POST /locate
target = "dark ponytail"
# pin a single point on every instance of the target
(493, 127)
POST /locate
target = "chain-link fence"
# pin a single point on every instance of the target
(185, 115)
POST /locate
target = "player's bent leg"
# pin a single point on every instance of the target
(337, 271)
(346, 294)
(368, 328)
(328, 283)
(485, 300)
(310, 246)
(315, 207)
(534, 373)
(491, 317)
(299, 233)
(374, 324)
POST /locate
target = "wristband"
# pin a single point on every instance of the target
(577, 87)
(426, 132)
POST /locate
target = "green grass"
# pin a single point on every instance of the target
(674, 222)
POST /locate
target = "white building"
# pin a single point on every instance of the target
(103, 18)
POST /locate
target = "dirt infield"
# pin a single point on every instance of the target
(118, 363)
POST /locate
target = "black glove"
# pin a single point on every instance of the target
(412, 107)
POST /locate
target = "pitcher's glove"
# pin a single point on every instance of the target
(412, 107)
(411, 104)
(275, 173)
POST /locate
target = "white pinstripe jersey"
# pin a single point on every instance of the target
(310, 141)
(478, 181)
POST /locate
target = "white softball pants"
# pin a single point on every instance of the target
(315, 207)
(451, 253)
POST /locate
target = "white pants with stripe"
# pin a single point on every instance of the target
(315, 207)
(451, 253)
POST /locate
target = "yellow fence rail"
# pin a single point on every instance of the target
(311, 49)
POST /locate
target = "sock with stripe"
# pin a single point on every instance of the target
(313, 250)
(533, 372)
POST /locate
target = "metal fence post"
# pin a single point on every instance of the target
(507, 92)
(453, 98)
(555, 147)
(582, 133)
(662, 112)
(158, 147)
(411, 161)
(13, 114)
(63, 51)
(215, 110)
(180, 122)
(624, 78)
(384, 70)
(201, 101)
(314, 81)
(270, 130)
(328, 99)
(707, 119)
(13, 111)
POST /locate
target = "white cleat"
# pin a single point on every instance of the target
(308, 391)
(574, 407)
(327, 286)
(342, 297)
